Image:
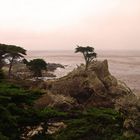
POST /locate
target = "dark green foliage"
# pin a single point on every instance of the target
(100, 124)
(11, 53)
(36, 66)
(50, 113)
(15, 110)
(2, 137)
(14, 53)
(8, 123)
(16, 94)
(88, 53)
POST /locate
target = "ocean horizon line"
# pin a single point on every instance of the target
(119, 50)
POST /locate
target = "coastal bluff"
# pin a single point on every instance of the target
(95, 87)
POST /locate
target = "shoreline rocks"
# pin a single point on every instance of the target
(54, 66)
(20, 71)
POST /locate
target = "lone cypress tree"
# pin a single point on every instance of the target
(88, 53)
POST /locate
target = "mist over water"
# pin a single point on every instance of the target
(124, 65)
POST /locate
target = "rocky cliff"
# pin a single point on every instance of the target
(95, 87)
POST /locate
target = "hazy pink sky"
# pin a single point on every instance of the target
(63, 24)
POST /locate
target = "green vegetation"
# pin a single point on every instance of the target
(100, 124)
(88, 53)
(15, 109)
(10, 53)
(17, 113)
(19, 119)
(36, 66)
(13, 54)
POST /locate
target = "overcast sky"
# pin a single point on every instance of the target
(63, 24)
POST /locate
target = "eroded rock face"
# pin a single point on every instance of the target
(100, 68)
(95, 87)
(61, 102)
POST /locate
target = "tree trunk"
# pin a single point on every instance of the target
(10, 67)
(87, 63)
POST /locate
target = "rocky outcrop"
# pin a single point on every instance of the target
(54, 66)
(95, 87)
(32, 131)
(58, 101)
(55, 127)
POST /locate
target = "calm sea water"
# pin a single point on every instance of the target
(124, 65)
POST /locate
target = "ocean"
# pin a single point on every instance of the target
(124, 65)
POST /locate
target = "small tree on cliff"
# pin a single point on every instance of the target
(36, 66)
(88, 53)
